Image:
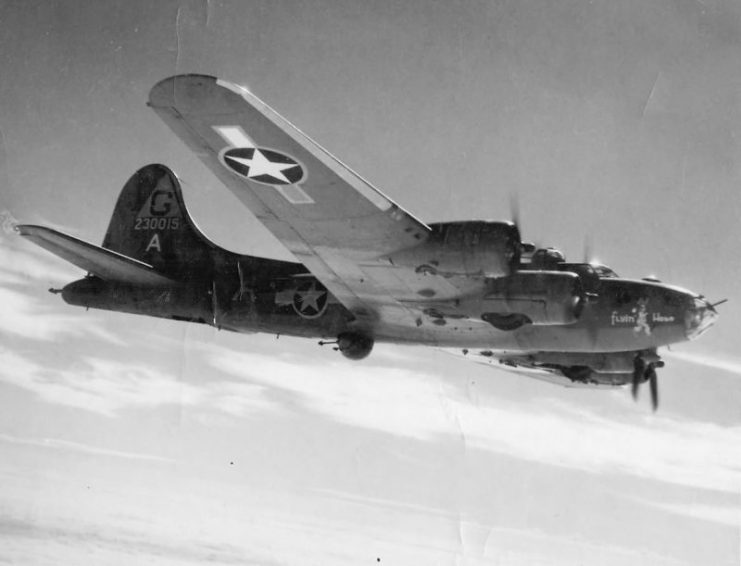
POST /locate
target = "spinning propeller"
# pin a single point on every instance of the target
(588, 254)
(526, 248)
(643, 371)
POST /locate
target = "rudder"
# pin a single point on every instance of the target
(150, 223)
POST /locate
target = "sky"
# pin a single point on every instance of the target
(126, 439)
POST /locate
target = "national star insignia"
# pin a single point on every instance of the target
(310, 301)
(260, 167)
(310, 298)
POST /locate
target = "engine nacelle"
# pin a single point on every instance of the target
(475, 248)
(541, 297)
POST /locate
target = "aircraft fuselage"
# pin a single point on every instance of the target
(283, 298)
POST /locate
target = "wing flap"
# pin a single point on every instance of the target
(104, 263)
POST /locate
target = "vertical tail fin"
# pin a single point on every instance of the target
(150, 223)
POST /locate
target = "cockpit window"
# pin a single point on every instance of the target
(581, 269)
(587, 275)
(604, 271)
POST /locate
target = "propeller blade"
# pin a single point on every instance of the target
(526, 248)
(588, 248)
(653, 381)
(514, 208)
(590, 319)
(639, 368)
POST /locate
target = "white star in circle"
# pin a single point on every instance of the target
(310, 298)
(261, 165)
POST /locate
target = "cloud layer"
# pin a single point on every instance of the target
(423, 406)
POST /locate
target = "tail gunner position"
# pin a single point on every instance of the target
(368, 270)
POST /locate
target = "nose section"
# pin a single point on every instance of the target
(699, 317)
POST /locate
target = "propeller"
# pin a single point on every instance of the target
(588, 258)
(526, 248)
(645, 372)
(639, 368)
(591, 295)
(654, 383)
(514, 208)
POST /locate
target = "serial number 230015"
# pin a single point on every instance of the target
(151, 223)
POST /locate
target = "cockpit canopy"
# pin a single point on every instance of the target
(603, 271)
(552, 259)
(589, 273)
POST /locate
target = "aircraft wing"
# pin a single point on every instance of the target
(493, 360)
(104, 263)
(333, 221)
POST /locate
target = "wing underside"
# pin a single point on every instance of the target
(329, 217)
(526, 364)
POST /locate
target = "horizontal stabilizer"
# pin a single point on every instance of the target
(104, 263)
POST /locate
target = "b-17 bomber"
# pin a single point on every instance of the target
(367, 270)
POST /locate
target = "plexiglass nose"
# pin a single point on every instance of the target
(701, 316)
